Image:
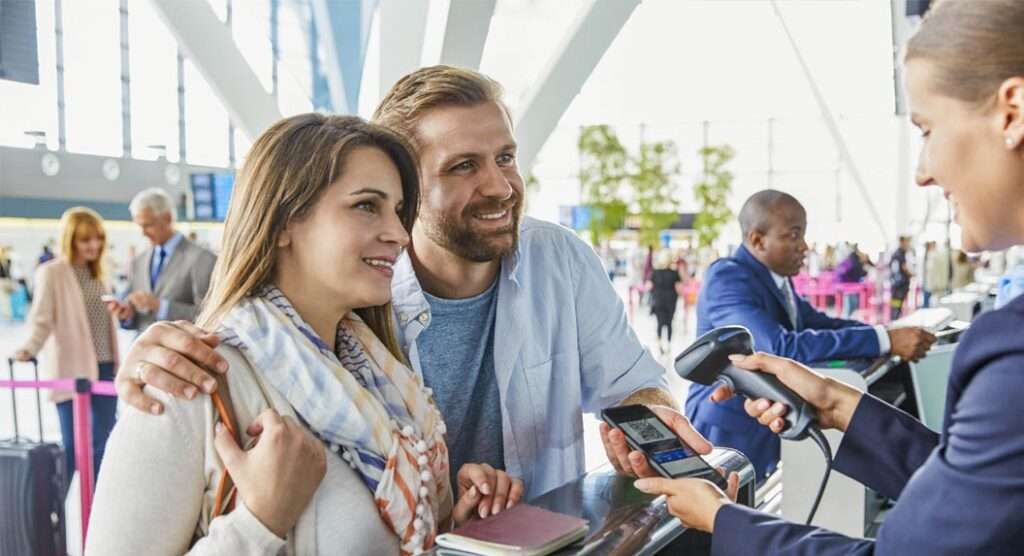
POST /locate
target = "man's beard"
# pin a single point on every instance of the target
(458, 236)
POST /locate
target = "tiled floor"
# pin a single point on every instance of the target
(13, 334)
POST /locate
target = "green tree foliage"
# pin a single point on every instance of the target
(654, 192)
(712, 194)
(612, 180)
(603, 173)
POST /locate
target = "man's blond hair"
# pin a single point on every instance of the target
(433, 87)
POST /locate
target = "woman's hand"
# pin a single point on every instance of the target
(277, 478)
(22, 355)
(484, 490)
(695, 502)
(834, 401)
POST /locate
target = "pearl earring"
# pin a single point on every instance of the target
(1010, 142)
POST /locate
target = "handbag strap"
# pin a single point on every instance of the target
(224, 502)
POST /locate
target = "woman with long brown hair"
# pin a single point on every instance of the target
(345, 448)
(69, 312)
(959, 491)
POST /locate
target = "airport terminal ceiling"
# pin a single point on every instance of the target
(740, 73)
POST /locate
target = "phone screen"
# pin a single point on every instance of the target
(663, 446)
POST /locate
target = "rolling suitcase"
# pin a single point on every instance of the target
(32, 489)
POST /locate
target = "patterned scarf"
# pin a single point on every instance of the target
(361, 401)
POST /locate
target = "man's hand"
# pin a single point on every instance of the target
(910, 343)
(634, 463)
(144, 302)
(695, 502)
(176, 357)
(278, 477)
(120, 311)
(484, 490)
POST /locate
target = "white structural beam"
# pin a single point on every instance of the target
(560, 82)
(207, 42)
(403, 25)
(327, 16)
(465, 32)
(833, 126)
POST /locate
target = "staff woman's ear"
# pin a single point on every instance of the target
(1010, 108)
(285, 239)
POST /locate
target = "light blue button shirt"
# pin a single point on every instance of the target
(562, 347)
(169, 246)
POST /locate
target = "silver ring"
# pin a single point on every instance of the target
(138, 372)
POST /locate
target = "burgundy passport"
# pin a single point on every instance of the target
(523, 529)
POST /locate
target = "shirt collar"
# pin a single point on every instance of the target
(780, 280)
(171, 244)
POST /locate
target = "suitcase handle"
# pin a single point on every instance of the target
(14, 397)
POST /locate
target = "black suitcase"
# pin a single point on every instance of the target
(32, 489)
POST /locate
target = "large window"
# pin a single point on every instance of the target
(154, 83)
(25, 107)
(92, 76)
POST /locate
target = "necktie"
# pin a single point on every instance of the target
(155, 275)
(787, 293)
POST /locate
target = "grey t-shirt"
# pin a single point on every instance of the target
(457, 358)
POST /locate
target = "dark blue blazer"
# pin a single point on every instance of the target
(740, 290)
(959, 493)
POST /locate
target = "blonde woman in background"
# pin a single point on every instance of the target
(346, 450)
(69, 312)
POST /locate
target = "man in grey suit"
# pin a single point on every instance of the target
(169, 280)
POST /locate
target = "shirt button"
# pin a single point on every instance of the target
(403, 318)
(423, 318)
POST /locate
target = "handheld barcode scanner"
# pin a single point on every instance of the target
(707, 361)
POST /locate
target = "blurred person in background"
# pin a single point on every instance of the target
(71, 329)
(46, 254)
(899, 277)
(169, 280)
(664, 295)
(963, 270)
(936, 274)
(851, 271)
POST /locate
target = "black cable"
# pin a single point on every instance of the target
(822, 442)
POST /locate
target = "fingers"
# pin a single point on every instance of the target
(684, 429)
(657, 485)
(464, 507)
(209, 338)
(227, 448)
(619, 449)
(158, 376)
(639, 465)
(721, 394)
(130, 391)
(185, 339)
(608, 451)
(515, 493)
(767, 413)
(269, 420)
(766, 363)
(500, 498)
(254, 429)
(732, 486)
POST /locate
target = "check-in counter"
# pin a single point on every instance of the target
(624, 521)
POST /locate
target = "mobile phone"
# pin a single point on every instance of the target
(666, 453)
(107, 297)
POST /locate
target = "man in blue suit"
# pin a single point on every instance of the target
(753, 288)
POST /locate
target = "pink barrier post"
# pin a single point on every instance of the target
(82, 408)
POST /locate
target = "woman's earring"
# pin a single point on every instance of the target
(1010, 142)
